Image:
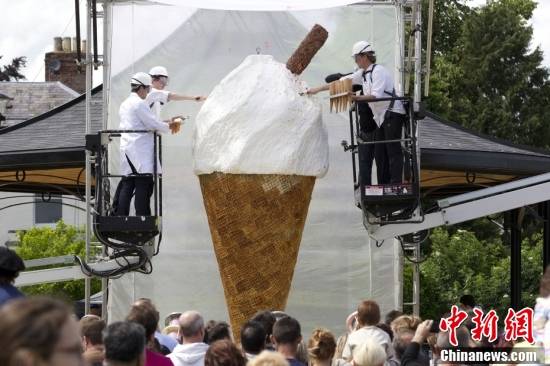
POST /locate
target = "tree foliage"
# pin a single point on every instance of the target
(461, 264)
(42, 242)
(487, 78)
(11, 72)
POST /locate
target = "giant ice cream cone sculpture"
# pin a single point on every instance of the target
(259, 146)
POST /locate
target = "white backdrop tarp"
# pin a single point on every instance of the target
(337, 266)
(255, 5)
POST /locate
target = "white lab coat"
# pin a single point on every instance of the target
(380, 87)
(135, 114)
(155, 99)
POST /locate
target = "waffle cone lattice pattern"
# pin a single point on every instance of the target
(256, 222)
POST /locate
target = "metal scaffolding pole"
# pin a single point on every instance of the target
(545, 208)
(418, 56)
(107, 30)
(87, 280)
(515, 260)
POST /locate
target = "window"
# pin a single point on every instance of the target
(47, 212)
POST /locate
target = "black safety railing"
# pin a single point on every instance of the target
(388, 202)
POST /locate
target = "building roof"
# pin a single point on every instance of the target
(453, 159)
(449, 146)
(55, 154)
(31, 99)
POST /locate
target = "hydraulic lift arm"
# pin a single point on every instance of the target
(469, 206)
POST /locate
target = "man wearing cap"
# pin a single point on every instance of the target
(137, 149)
(10, 266)
(390, 116)
(157, 97)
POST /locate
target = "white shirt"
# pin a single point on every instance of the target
(380, 87)
(138, 147)
(155, 99)
(189, 354)
(373, 333)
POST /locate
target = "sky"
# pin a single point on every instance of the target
(27, 29)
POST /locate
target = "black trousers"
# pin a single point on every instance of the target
(367, 155)
(142, 187)
(392, 129)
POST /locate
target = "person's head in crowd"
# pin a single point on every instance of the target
(405, 323)
(91, 331)
(401, 340)
(171, 331)
(368, 313)
(386, 328)
(124, 344)
(252, 338)
(191, 327)
(10, 266)
(443, 341)
(267, 319)
(268, 358)
(467, 302)
(287, 334)
(321, 347)
(215, 331)
(369, 353)
(172, 319)
(147, 316)
(391, 316)
(545, 283)
(224, 353)
(39, 331)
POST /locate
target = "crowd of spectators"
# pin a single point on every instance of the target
(44, 331)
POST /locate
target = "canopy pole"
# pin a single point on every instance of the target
(418, 57)
(107, 32)
(545, 206)
(88, 280)
(515, 260)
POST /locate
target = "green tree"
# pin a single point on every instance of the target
(490, 81)
(42, 242)
(448, 18)
(12, 71)
(460, 264)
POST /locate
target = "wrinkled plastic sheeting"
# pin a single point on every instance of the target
(337, 266)
(255, 5)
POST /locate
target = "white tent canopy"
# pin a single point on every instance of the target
(255, 5)
(337, 265)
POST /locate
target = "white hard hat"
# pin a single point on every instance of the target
(361, 47)
(158, 71)
(141, 78)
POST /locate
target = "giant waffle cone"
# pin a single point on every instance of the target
(256, 222)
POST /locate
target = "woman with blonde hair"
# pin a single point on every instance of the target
(369, 353)
(321, 348)
(268, 358)
(405, 323)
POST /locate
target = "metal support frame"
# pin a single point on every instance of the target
(87, 280)
(107, 30)
(545, 210)
(515, 260)
(473, 205)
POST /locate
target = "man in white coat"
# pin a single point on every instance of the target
(137, 149)
(192, 349)
(390, 116)
(158, 96)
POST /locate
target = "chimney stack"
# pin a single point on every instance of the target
(60, 65)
